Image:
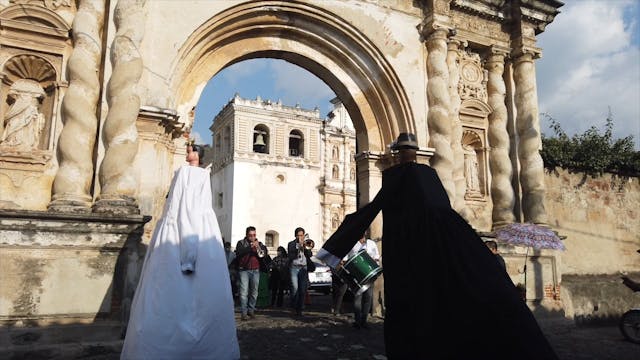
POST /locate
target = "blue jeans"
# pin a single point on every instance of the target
(249, 280)
(299, 285)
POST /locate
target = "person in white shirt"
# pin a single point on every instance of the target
(362, 302)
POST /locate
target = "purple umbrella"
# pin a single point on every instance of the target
(527, 234)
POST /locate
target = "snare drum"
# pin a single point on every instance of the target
(359, 271)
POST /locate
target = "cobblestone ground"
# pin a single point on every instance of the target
(275, 333)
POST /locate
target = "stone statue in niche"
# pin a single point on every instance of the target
(23, 122)
(335, 221)
(471, 169)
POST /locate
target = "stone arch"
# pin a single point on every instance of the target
(263, 131)
(312, 38)
(36, 15)
(296, 143)
(475, 108)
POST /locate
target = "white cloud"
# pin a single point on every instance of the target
(198, 138)
(298, 85)
(239, 72)
(590, 62)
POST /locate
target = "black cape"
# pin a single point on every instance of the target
(445, 294)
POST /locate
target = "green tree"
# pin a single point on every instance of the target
(590, 152)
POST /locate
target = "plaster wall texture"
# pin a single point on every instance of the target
(600, 218)
(259, 201)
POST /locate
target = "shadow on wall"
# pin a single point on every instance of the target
(64, 339)
(125, 280)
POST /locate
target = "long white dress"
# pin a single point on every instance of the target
(175, 315)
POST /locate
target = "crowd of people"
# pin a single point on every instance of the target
(287, 274)
(183, 306)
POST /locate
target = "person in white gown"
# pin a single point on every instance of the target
(183, 307)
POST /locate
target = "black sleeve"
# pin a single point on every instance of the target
(241, 249)
(352, 228)
(292, 251)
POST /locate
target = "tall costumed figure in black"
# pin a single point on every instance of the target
(442, 285)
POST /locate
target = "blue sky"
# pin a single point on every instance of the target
(590, 63)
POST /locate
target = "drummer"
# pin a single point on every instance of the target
(362, 301)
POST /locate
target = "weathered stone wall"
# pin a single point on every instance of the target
(600, 219)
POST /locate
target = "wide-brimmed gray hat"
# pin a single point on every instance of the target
(405, 141)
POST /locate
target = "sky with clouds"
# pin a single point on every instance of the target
(590, 64)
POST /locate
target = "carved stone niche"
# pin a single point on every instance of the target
(474, 117)
(28, 96)
(33, 44)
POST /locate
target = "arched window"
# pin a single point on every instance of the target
(296, 143)
(352, 174)
(334, 153)
(335, 173)
(227, 139)
(261, 139)
(271, 239)
(217, 144)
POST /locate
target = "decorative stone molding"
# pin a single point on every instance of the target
(117, 179)
(32, 67)
(490, 9)
(45, 31)
(539, 12)
(473, 78)
(49, 4)
(72, 184)
(167, 118)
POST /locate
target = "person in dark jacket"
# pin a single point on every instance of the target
(279, 279)
(442, 286)
(249, 252)
(299, 266)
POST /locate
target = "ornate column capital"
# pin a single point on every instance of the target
(436, 31)
(494, 52)
(521, 51)
(168, 118)
(456, 44)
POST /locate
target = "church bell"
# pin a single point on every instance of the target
(259, 141)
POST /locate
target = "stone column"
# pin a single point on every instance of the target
(499, 162)
(118, 181)
(438, 119)
(72, 184)
(530, 142)
(453, 64)
(370, 167)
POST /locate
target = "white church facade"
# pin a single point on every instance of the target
(277, 167)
